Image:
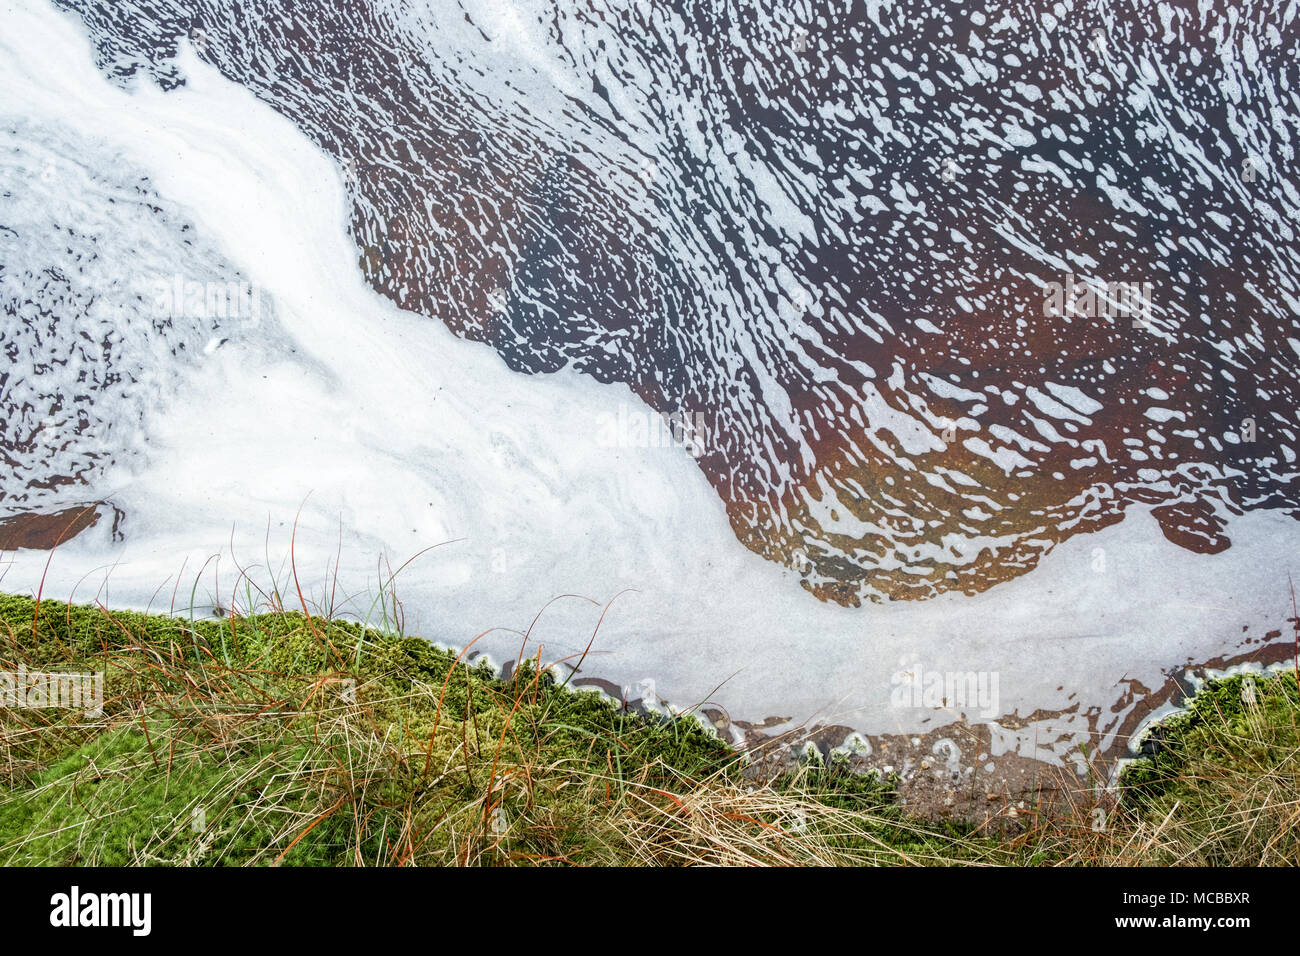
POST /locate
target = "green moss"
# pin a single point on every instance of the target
(277, 725)
(117, 800)
(1222, 776)
(319, 742)
(1221, 709)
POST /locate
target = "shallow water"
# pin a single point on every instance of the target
(820, 239)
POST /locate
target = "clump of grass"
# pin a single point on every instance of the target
(286, 738)
(1222, 787)
(1218, 786)
(283, 738)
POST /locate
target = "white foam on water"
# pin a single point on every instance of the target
(383, 427)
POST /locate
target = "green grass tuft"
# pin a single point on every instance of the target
(281, 738)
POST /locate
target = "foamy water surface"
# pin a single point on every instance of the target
(1083, 522)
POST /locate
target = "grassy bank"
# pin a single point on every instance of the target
(286, 739)
(1222, 785)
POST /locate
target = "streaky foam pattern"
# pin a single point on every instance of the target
(99, 328)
